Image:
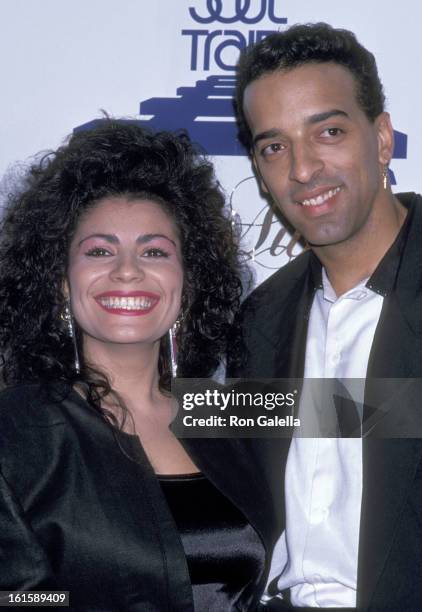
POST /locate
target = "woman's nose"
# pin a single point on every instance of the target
(128, 268)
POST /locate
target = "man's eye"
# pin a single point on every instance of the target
(332, 132)
(272, 149)
(98, 252)
(155, 252)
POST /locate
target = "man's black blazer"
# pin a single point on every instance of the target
(274, 321)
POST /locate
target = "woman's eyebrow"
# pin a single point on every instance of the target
(112, 238)
(148, 237)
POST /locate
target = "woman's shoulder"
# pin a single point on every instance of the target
(38, 410)
(32, 404)
(52, 413)
(26, 393)
(31, 433)
(46, 427)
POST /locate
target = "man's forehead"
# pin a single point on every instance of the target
(329, 73)
(310, 90)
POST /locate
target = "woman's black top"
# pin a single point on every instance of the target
(223, 551)
(82, 510)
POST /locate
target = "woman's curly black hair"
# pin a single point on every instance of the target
(114, 158)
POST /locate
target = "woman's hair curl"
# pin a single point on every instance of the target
(114, 158)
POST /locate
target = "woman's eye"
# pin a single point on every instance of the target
(155, 252)
(98, 252)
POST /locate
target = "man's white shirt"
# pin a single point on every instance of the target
(316, 556)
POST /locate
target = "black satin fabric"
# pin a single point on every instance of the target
(82, 510)
(223, 551)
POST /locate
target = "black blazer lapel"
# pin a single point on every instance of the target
(397, 346)
(300, 304)
(275, 327)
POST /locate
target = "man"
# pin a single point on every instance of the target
(311, 110)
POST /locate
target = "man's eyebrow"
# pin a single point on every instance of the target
(317, 118)
(264, 135)
(335, 112)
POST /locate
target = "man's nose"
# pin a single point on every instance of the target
(305, 163)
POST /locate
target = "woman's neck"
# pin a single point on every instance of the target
(132, 370)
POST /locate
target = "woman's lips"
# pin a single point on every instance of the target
(135, 303)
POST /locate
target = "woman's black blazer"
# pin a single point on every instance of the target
(81, 509)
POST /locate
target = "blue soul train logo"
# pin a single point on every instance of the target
(205, 109)
(241, 13)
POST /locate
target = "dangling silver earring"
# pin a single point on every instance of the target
(67, 316)
(172, 332)
(173, 348)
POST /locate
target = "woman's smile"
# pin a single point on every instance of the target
(135, 303)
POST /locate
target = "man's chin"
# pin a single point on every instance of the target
(321, 241)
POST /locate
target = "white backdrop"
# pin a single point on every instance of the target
(62, 61)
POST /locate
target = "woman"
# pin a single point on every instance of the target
(117, 246)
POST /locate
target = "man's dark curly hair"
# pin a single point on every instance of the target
(301, 44)
(115, 158)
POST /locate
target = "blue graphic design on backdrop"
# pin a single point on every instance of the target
(242, 8)
(205, 109)
(400, 152)
(209, 120)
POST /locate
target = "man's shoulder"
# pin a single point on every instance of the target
(409, 198)
(279, 283)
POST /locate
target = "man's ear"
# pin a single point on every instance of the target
(385, 135)
(262, 185)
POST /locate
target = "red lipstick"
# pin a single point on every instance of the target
(127, 303)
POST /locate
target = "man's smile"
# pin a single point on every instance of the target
(321, 198)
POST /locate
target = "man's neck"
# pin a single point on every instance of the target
(351, 261)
